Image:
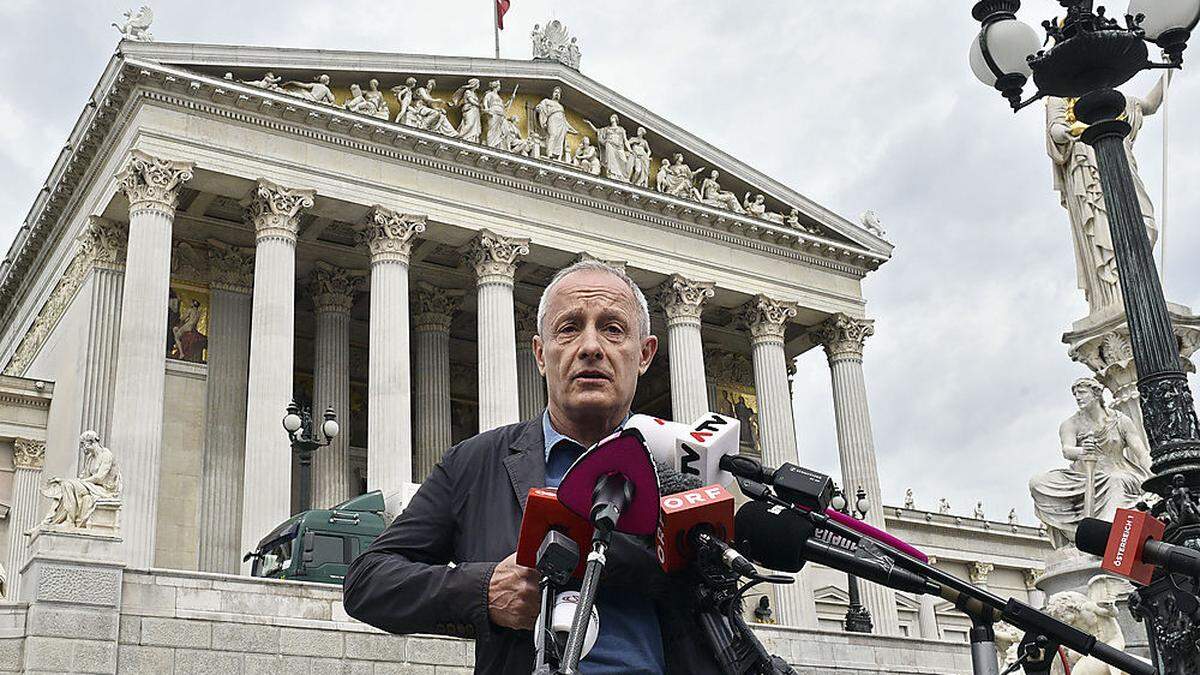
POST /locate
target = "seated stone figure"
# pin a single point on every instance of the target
(1107, 455)
(73, 501)
(712, 194)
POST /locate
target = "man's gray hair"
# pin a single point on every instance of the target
(596, 265)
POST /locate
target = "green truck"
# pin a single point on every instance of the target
(318, 544)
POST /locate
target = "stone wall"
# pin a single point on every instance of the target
(188, 622)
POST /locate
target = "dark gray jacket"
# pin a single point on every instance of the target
(469, 512)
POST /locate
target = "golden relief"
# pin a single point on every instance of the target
(741, 403)
(187, 322)
(1076, 127)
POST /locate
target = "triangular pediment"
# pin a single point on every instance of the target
(586, 107)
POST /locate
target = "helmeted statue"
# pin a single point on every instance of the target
(73, 501)
(1077, 180)
(1109, 461)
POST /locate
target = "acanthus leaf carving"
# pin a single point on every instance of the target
(153, 183)
(767, 318)
(494, 257)
(844, 336)
(104, 242)
(28, 453)
(389, 234)
(274, 210)
(683, 299)
(333, 288)
(231, 268)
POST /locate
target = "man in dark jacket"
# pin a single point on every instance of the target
(447, 564)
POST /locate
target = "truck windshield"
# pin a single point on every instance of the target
(276, 558)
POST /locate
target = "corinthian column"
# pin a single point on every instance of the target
(333, 290)
(152, 186)
(28, 458)
(231, 276)
(435, 308)
(389, 236)
(843, 338)
(683, 301)
(103, 242)
(494, 259)
(531, 388)
(767, 320)
(274, 211)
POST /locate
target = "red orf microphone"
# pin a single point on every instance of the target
(686, 516)
(543, 512)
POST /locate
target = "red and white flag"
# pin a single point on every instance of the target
(501, 9)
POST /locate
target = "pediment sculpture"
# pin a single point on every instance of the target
(74, 502)
(136, 26)
(554, 43)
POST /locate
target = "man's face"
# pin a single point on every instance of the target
(590, 348)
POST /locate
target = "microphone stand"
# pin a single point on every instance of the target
(557, 558)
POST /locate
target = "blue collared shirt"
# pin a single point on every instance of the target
(630, 642)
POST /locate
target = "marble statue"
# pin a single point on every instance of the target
(757, 207)
(553, 125)
(1109, 461)
(375, 98)
(73, 501)
(1008, 641)
(944, 505)
(496, 109)
(677, 179)
(553, 43)
(358, 102)
(618, 164)
(712, 194)
(466, 98)
(587, 158)
(978, 513)
(1077, 181)
(136, 26)
(428, 113)
(909, 502)
(1094, 613)
(639, 151)
(404, 97)
(870, 220)
(1012, 516)
(269, 82)
(793, 221)
(513, 142)
(317, 91)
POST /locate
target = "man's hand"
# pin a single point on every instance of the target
(513, 596)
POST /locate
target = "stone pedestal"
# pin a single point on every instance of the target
(1101, 342)
(494, 259)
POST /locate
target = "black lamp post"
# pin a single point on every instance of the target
(298, 423)
(858, 618)
(1091, 55)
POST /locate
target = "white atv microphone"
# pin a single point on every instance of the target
(694, 449)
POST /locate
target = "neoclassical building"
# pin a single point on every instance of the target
(231, 228)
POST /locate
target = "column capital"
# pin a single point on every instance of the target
(979, 571)
(526, 321)
(152, 183)
(29, 454)
(434, 307)
(584, 256)
(230, 268)
(333, 288)
(844, 336)
(683, 299)
(389, 234)
(1030, 577)
(494, 257)
(104, 242)
(767, 318)
(274, 210)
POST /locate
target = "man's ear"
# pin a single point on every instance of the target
(649, 349)
(538, 356)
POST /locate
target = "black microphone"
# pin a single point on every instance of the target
(1093, 536)
(784, 539)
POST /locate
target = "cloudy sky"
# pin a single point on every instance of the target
(855, 103)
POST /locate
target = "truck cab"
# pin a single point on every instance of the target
(319, 544)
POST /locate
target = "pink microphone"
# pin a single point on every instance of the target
(876, 534)
(614, 481)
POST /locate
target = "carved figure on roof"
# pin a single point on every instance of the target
(979, 514)
(757, 207)
(137, 26)
(712, 194)
(587, 158)
(375, 98)
(553, 124)
(428, 111)
(870, 220)
(496, 109)
(618, 164)
(943, 506)
(793, 221)
(679, 180)
(553, 43)
(639, 152)
(909, 502)
(466, 97)
(73, 500)
(269, 82)
(513, 142)
(317, 91)
(404, 97)
(357, 102)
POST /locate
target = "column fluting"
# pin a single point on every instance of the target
(104, 242)
(683, 302)
(494, 259)
(332, 289)
(433, 310)
(29, 457)
(531, 387)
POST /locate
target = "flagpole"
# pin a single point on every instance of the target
(496, 24)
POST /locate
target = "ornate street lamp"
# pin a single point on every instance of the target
(1092, 53)
(858, 619)
(298, 423)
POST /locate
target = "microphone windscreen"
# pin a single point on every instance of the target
(1091, 536)
(672, 481)
(772, 535)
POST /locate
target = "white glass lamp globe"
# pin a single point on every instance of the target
(1164, 15)
(330, 428)
(1010, 42)
(838, 502)
(291, 422)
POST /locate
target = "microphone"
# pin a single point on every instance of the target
(614, 486)
(692, 520)
(783, 539)
(1131, 548)
(696, 449)
(545, 514)
(566, 604)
